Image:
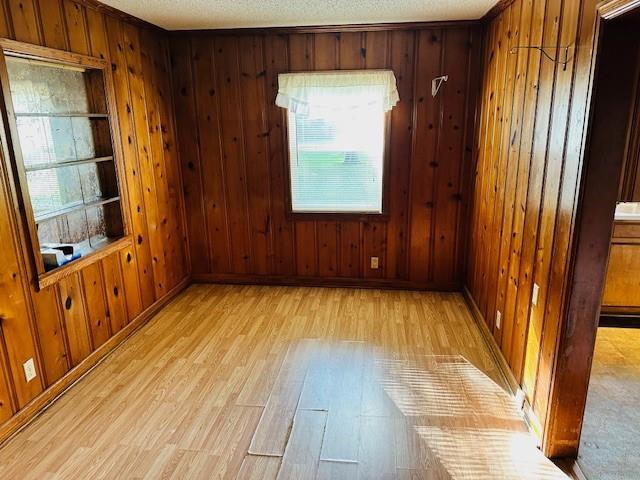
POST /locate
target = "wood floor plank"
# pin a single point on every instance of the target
(256, 467)
(273, 430)
(377, 455)
(300, 461)
(337, 470)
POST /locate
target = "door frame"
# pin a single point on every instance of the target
(589, 254)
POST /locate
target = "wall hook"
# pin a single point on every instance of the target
(562, 58)
(436, 83)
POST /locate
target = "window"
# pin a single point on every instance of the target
(64, 157)
(336, 125)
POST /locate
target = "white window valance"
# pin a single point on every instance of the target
(308, 93)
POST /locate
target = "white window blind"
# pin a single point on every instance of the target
(336, 138)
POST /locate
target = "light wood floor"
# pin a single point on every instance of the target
(288, 383)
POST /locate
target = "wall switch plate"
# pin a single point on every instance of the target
(29, 370)
(374, 263)
(498, 319)
(534, 295)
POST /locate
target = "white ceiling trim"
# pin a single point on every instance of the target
(210, 14)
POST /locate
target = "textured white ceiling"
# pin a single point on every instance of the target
(202, 14)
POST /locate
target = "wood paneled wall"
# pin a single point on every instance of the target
(526, 181)
(234, 157)
(92, 310)
(630, 185)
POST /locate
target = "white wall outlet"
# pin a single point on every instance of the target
(374, 263)
(498, 319)
(520, 398)
(534, 295)
(29, 370)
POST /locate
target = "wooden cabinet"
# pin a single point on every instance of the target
(622, 285)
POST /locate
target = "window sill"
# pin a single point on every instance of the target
(339, 216)
(49, 278)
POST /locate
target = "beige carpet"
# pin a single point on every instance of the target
(611, 433)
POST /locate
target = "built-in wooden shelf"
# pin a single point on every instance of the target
(74, 208)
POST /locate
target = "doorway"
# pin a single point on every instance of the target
(615, 85)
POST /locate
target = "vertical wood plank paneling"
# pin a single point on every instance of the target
(76, 27)
(252, 70)
(306, 248)
(428, 117)
(486, 211)
(477, 216)
(245, 70)
(25, 21)
(53, 31)
(351, 56)
(137, 90)
(5, 26)
(133, 181)
(373, 235)
(326, 51)
(75, 322)
(189, 143)
(375, 245)
(534, 314)
(350, 255)
(277, 61)
(495, 194)
(301, 58)
(554, 236)
(327, 233)
(50, 333)
(98, 44)
(156, 163)
(131, 282)
(16, 330)
(179, 256)
(506, 177)
(16, 343)
(169, 263)
(519, 280)
(402, 45)
(95, 304)
(115, 292)
(233, 155)
(6, 410)
(450, 155)
(208, 127)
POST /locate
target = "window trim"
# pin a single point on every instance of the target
(343, 216)
(16, 172)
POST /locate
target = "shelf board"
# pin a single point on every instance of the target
(68, 163)
(103, 250)
(74, 208)
(63, 115)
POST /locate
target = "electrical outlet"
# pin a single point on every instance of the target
(534, 295)
(29, 370)
(374, 263)
(498, 319)
(520, 398)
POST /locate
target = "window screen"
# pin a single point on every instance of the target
(336, 161)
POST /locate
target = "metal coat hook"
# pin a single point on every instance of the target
(436, 83)
(564, 60)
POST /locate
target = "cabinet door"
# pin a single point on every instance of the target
(622, 286)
